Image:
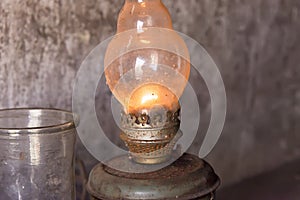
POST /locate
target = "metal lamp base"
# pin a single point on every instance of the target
(187, 178)
(208, 197)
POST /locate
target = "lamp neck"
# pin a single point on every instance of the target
(137, 14)
(142, 1)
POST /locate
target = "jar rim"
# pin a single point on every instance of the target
(66, 124)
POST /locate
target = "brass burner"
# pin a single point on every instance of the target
(151, 135)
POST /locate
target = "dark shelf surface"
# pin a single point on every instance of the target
(280, 184)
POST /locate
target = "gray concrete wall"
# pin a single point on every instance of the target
(255, 43)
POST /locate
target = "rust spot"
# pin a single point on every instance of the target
(22, 156)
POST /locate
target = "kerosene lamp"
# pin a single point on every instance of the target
(147, 68)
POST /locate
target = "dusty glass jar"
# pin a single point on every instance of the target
(37, 154)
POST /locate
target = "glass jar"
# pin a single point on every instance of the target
(37, 154)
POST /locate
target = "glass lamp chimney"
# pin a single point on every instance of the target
(147, 67)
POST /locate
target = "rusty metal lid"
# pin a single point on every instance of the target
(187, 178)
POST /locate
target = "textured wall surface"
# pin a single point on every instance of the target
(255, 43)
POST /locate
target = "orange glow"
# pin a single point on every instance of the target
(143, 4)
(149, 95)
(148, 64)
(149, 98)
